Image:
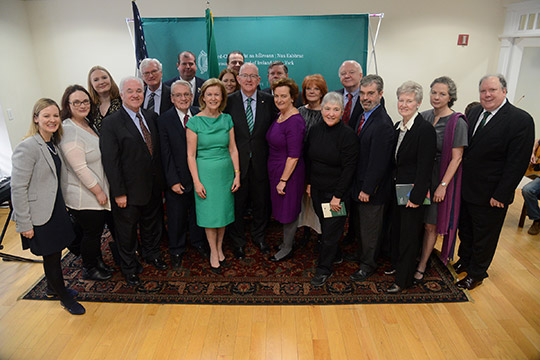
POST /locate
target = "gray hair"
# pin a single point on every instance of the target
(369, 79)
(501, 78)
(149, 61)
(411, 87)
(248, 64)
(128, 78)
(181, 82)
(333, 98)
(452, 89)
(354, 62)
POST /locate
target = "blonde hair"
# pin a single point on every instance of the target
(34, 127)
(115, 92)
(213, 82)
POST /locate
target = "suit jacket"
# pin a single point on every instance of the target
(198, 84)
(497, 157)
(254, 144)
(415, 158)
(357, 112)
(129, 167)
(34, 183)
(374, 167)
(174, 149)
(166, 103)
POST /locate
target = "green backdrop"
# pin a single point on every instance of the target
(306, 44)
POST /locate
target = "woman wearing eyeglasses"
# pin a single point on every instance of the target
(84, 184)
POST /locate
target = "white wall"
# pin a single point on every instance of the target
(417, 41)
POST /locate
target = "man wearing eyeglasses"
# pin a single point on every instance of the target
(179, 184)
(252, 112)
(157, 96)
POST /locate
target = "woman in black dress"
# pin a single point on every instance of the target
(38, 206)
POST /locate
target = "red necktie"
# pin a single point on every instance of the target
(361, 124)
(347, 112)
(186, 118)
(146, 134)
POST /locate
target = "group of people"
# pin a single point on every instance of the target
(220, 148)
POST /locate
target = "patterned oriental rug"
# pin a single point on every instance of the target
(253, 280)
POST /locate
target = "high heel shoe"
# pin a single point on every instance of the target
(421, 280)
(223, 262)
(215, 270)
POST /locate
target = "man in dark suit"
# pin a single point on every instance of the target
(179, 191)
(235, 59)
(131, 158)
(372, 183)
(253, 154)
(501, 137)
(187, 68)
(157, 96)
(278, 70)
(350, 74)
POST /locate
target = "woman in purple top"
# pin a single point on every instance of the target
(286, 169)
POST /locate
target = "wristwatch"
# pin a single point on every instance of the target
(443, 184)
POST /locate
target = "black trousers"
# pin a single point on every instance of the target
(369, 220)
(181, 217)
(149, 217)
(332, 230)
(257, 193)
(479, 231)
(55, 278)
(407, 236)
(92, 223)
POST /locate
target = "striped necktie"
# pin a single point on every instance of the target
(347, 112)
(151, 102)
(249, 115)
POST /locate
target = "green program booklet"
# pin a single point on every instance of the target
(328, 213)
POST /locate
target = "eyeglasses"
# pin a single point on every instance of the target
(148, 73)
(180, 95)
(78, 103)
(249, 76)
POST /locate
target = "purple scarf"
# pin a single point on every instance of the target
(448, 209)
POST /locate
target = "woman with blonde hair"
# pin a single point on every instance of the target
(38, 205)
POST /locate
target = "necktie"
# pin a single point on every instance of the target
(249, 115)
(146, 134)
(482, 122)
(347, 112)
(151, 103)
(186, 118)
(361, 124)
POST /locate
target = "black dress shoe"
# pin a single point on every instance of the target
(159, 264)
(263, 247)
(319, 280)
(203, 251)
(100, 264)
(273, 258)
(393, 289)
(459, 267)
(468, 283)
(239, 252)
(176, 260)
(132, 279)
(361, 275)
(74, 308)
(96, 274)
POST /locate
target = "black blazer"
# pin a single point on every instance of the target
(357, 112)
(198, 84)
(129, 167)
(174, 149)
(374, 168)
(252, 144)
(166, 103)
(415, 158)
(497, 157)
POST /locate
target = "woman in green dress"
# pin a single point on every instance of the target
(214, 166)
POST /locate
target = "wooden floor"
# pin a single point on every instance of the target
(502, 321)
